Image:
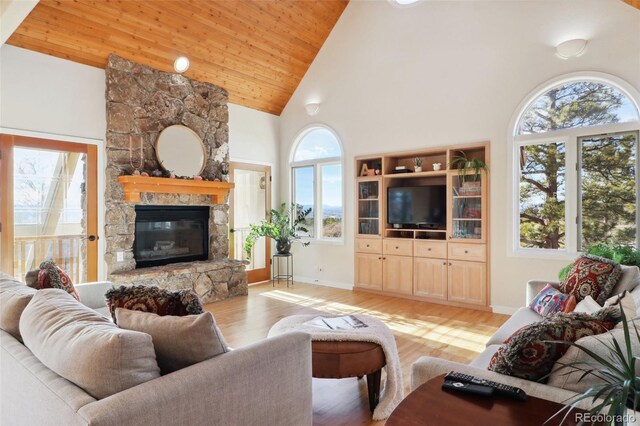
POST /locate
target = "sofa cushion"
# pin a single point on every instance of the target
(587, 306)
(533, 350)
(14, 297)
(522, 317)
(482, 361)
(178, 341)
(591, 275)
(629, 279)
(84, 347)
(571, 378)
(51, 276)
(154, 300)
(550, 300)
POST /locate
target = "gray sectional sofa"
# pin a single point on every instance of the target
(426, 368)
(268, 382)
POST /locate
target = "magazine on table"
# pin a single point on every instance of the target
(346, 322)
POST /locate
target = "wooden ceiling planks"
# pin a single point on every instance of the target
(258, 50)
(634, 3)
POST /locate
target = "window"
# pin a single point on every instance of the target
(316, 174)
(576, 159)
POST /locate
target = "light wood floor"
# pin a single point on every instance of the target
(420, 329)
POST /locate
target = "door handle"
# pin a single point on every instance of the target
(231, 230)
(92, 238)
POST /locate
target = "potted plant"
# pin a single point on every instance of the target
(620, 387)
(281, 227)
(466, 165)
(418, 164)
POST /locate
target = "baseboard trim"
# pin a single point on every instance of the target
(506, 310)
(334, 284)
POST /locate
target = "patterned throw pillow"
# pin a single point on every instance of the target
(550, 301)
(531, 352)
(153, 299)
(51, 276)
(591, 276)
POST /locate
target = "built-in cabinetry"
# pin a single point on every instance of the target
(445, 262)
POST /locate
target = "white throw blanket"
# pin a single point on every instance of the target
(377, 332)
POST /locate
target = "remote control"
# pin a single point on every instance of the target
(501, 389)
(467, 388)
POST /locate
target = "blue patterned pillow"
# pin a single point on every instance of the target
(550, 301)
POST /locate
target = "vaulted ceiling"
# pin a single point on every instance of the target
(258, 50)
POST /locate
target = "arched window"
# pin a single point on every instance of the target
(316, 176)
(576, 157)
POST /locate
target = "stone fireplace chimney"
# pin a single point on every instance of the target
(141, 102)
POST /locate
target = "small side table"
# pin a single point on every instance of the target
(275, 270)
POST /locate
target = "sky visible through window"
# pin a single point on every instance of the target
(319, 144)
(577, 104)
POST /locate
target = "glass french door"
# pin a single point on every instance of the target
(250, 204)
(48, 206)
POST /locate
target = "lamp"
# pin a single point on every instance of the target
(181, 64)
(312, 108)
(571, 48)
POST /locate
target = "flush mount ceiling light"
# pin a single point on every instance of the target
(312, 108)
(571, 48)
(181, 64)
(404, 3)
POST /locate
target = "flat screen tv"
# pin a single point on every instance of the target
(417, 205)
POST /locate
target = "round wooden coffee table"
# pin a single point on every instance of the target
(430, 405)
(339, 360)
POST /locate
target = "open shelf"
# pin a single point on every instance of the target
(415, 174)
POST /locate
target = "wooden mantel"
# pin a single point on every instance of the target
(134, 185)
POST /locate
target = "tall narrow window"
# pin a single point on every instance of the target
(576, 147)
(542, 186)
(608, 201)
(316, 174)
(304, 194)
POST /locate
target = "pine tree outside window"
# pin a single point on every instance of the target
(576, 165)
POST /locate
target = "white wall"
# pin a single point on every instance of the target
(444, 73)
(255, 138)
(47, 97)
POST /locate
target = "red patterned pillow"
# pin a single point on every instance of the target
(591, 276)
(154, 300)
(51, 276)
(531, 352)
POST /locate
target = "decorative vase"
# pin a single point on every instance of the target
(418, 169)
(283, 246)
(437, 166)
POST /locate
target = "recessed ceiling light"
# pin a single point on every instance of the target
(404, 3)
(181, 64)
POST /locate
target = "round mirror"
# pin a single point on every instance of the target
(180, 151)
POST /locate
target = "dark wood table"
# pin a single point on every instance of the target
(430, 405)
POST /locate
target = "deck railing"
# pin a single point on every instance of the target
(64, 250)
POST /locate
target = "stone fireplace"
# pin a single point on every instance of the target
(141, 102)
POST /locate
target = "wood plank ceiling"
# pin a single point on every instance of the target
(258, 50)
(634, 3)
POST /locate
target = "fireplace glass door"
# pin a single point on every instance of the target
(170, 234)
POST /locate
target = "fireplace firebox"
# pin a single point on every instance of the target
(170, 234)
